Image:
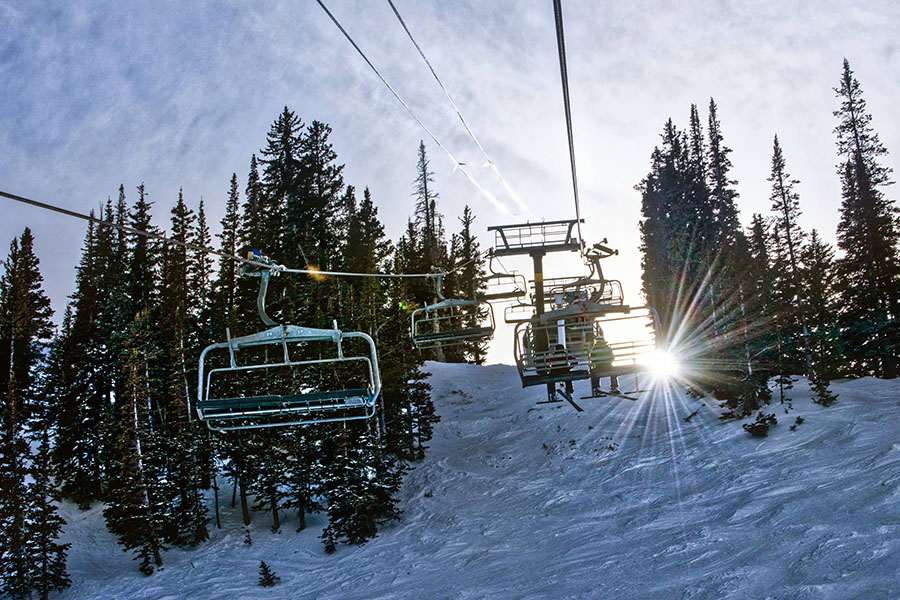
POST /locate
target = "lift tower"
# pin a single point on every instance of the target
(536, 240)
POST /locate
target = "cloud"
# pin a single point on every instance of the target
(180, 94)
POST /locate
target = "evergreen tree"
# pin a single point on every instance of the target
(758, 335)
(782, 314)
(15, 559)
(186, 459)
(80, 382)
(721, 186)
(25, 326)
(268, 452)
(818, 275)
(48, 557)
(136, 510)
(426, 238)
(868, 234)
(281, 167)
(267, 577)
(428, 220)
(786, 206)
(467, 282)
(200, 271)
(360, 483)
(144, 255)
(225, 299)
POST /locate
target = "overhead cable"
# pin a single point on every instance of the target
(250, 261)
(561, 45)
(499, 205)
(490, 162)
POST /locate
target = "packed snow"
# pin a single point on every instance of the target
(623, 500)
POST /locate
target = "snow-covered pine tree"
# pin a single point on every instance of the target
(786, 211)
(136, 507)
(466, 283)
(202, 314)
(25, 326)
(360, 483)
(44, 525)
(80, 379)
(185, 283)
(304, 474)
(267, 577)
(818, 279)
(869, 271)
(266, 453)
(15, 559)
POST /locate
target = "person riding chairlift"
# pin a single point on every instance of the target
(601, 359)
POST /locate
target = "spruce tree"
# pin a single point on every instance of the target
(15, 558)
(81, 380)
(143, 259)
(225, 299)
(267, 577)
(467, 282)
(427, 240)
(48, 557)
(868, 234)
(25, 326)
(786, 209)
(136, 510)
(359, 500)
(818, 275)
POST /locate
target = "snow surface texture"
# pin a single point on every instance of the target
(624, 500)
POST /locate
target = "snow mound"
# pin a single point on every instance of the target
(624, 500)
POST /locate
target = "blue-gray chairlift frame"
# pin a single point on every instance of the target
(283, 410)
(446, 322)
(501, 287)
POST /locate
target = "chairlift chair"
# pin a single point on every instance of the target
(518, 313)
(557, 346)
(451, 321)
(269, 353)
(499, 287)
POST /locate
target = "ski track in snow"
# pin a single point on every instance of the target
(624, 500)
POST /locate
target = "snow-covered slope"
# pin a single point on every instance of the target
(624, 500)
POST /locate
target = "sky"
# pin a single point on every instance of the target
(179, 95)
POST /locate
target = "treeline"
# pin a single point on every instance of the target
(105, 400)
(745, 305)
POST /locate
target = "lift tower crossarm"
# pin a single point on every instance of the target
(528, 238)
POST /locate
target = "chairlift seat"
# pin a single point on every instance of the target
(302, 403)
(473, 332)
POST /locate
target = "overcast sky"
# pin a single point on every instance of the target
(179, 94)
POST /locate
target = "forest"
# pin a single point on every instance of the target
(97, 411)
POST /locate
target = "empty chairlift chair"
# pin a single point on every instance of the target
(501, 287)
(451, 321)
(287, 375)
